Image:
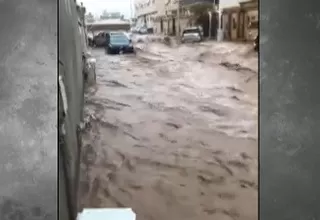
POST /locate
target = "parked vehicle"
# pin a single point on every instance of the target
(118, 43)
(141, 30)
(191, 34)
(90, 39)
(99, 40)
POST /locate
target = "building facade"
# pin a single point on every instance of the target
(162, 15)
(236, 20)
(145, 11)
(240, 19)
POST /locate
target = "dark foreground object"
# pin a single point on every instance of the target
(119, 50)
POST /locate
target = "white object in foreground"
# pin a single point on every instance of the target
(107, 214)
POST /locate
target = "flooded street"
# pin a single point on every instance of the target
(172, 132)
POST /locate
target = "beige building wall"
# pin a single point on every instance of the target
(234, 25)
(171, 5)
(144, 7)
(157, 11)
(145, 10)
(236, 20)
(251, 16)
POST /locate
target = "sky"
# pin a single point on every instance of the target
(98, 6)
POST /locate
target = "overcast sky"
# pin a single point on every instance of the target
(97, 6)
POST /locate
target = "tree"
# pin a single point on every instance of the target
(90, 17)
(104, 15)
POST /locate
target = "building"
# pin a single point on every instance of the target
(239, 19)
(162, 15)
(145, 12)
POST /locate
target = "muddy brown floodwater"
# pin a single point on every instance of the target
(172, 133)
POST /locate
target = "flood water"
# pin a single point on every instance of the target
(172, 132)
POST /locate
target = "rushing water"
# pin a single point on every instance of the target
(172, 132)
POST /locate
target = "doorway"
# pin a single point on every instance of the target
(161, 25)
(174, 26)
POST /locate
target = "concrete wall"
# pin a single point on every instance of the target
(188, 2)
(143, 7)
(28, 109)
(228, 3)
(236, 20)
(145, 12)
(251, 15)
(98, 28)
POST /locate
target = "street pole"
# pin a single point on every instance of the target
(178, 21)
(210, 24)
(220, 29)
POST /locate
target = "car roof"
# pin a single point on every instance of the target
(191, 28)
(116, 33)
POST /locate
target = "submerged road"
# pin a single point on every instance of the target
(172, 133)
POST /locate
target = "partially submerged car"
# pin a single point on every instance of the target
(191, 34)
(118, 43)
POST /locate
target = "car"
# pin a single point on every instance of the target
(118, 43)
(90, 39)
(143, 30)
(99, 40)
(191, 34)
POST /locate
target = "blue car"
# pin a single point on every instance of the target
(117, 43)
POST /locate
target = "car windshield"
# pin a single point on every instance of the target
(191, 31)
(119, 39)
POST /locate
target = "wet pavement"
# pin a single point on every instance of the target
(172, 132)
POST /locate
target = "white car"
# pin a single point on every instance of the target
(192, 34)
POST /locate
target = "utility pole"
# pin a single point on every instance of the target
(210, 23)
(178, 21)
